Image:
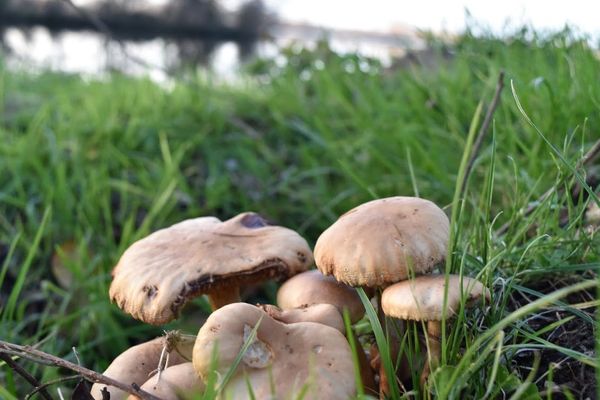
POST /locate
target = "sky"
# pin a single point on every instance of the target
(439, 15)
(448, 15)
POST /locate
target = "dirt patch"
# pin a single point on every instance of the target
(568, 374)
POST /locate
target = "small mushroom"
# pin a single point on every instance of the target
(312, 287)
(136, 364)
(178, 382)
(422, 299)
(282, 361)
(325, 314)
(592, 214)
(157, 275)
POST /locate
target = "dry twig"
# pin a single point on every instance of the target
(93, 376)
(44, 385)
(483, 131)
(26, 375)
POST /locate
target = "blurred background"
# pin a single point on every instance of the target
(161, 37)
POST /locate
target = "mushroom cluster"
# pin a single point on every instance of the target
(299, 347)
(389, 245)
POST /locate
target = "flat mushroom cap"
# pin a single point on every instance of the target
(378, 242)
(281, 360)
(157, 275)
(422, 298)
(312, 287)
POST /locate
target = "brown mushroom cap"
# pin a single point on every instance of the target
(312, 287)
(176, 382)
(282, 359)
(377, 243)
(157, 275)
(326, 314)
(134, 366)
(422, 298)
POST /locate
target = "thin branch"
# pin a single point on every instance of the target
(483, 131)
(26, 375)
(44, 385)
(588, 158)
(88, 374)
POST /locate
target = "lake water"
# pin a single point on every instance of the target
(91, 53)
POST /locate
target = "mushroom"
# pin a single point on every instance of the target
(137, 363)
(282, 361)
(592, 214)
(312, 287)
(422, 299)
(157, 275)
(382, 242)
(177, 382)
(325, 314)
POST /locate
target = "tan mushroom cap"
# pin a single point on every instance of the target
(176, 382)
(134, 366)
(422, 298)
(312, 287)
(282, 359)
(326, 314)
(377, 243)
(157, 275)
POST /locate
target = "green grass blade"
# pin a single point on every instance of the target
(9, 311)
(382, 344)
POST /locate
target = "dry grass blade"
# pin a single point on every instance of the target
(483, 131)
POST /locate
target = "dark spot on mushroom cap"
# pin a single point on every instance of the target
(150, 291)
(253, 220)
(301, 257)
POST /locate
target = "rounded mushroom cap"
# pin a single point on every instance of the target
(134, 365)
(176, 382)
(312, 287)
(282, 359)
(422, 298)
(157, 275)
(379, 242)
(325, 314)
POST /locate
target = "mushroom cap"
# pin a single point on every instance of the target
(592, 214)
(379, 242)
(326, 314)
(312, 287)
(422, 298)
(176, 382)
(157, 275)
(282, 359)
(134, 366)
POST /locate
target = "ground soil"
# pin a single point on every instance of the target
(576, 334)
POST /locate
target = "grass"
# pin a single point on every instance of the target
(102, 163)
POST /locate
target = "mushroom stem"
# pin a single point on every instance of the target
(434, 332)
(366, 374)
(218, 299)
